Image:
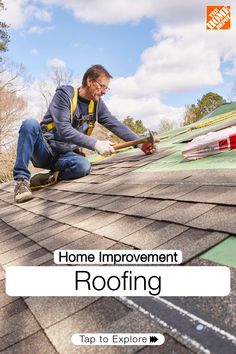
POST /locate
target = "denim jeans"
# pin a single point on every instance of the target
(32, 146)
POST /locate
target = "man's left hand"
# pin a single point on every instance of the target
(148, 148)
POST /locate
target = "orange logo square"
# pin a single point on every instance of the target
(218, 17)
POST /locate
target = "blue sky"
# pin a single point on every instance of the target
(159, 53)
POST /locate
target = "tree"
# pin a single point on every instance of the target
(135, 125)
(205, 105)
(57, 76)
(4, 37)
(165, 125)
(12, 104)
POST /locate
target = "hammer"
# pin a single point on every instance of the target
(126, 144)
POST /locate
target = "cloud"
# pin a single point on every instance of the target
(18, 12)
(14, 15)
(40, 30)
(150, 110)
(34, 51)
(56, 63)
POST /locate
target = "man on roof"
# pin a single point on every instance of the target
(66, 127)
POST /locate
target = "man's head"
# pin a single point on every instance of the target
(96, 81)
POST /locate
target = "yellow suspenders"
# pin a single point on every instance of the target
(74, 102)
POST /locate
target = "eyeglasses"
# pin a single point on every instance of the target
(103, 87)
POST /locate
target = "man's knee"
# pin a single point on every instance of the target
(30, 125)
(83, 168)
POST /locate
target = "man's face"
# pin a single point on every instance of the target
(98, 87)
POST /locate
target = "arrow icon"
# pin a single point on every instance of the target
(153, 339)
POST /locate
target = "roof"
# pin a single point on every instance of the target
(129, 201)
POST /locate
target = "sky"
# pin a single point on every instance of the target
(159, 53)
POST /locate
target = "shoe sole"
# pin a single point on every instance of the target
(55, 175)
(24, 197)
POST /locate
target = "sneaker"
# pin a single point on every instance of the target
(22, 191)
(41, 180)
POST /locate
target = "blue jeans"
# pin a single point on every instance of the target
(32, 146)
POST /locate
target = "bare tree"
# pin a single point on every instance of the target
(57, 77)
(12, 103)
(165, 125)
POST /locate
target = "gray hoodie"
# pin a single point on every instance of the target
(65, 137)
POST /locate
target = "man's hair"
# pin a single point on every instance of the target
(94, 72)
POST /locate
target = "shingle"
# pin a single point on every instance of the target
(9, 216)
(49, 310)
(80, 198)
(36, 343)
(128, 190)
(100, 188)
(16, 315)
(205, 193)
(63, 238)
(53, 211)
(13, 242)
(121, 204)
(40, 206)
(182, 212)
(78, 216)
(4, 298)
(220, 218)
(59, 214)
(120, 246)
(27, 221)
(89, 242)
(18, 252)
(51, 231)
(98, 220)
(99, 201)
(6, 235)
(193, 242)
(38, 227)
(32, 203)
(170, 192)
(152, 193)
(147, 207)
(154, 235)
(123, 227)
(97, 317)
(35, 258)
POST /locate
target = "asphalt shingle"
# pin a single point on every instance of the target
(123, 227)
(192, 242)
(16, 315)
(181, 212)
(36, 343)
(154, 235)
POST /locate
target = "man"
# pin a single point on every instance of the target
(53, 144)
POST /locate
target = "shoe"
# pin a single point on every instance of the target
(41, 180)
(22, 191)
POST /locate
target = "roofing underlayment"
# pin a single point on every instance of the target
(129, 201)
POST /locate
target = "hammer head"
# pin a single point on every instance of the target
(151, 137)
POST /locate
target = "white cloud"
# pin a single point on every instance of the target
(34, 51)
(56, 63)
(19, 11)
(150, 110)
(39, 30)
(15, 14)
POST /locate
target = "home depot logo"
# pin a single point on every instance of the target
(218, 17)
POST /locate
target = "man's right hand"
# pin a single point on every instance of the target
(104, 147)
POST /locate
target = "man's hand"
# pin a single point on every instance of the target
(104, 147)
(148, 148)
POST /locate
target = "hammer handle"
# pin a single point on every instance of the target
(133, 143)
